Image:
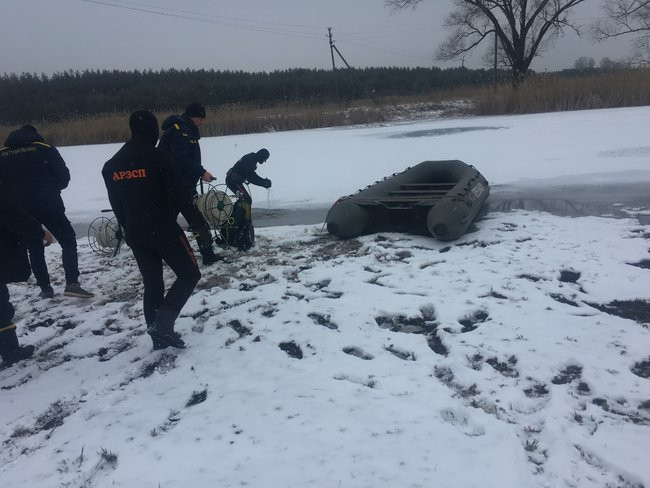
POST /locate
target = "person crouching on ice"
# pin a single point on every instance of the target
(144, 189)
(245, 171)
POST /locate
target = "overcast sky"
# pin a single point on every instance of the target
(46, 36)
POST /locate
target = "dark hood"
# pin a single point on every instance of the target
(144, 127)
(23, 137)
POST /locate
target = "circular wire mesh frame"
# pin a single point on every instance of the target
(237, 230)
(215, 206)
(102, 236)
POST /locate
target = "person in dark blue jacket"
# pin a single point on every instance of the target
(34, 174)
(181, 138)
(17, 230)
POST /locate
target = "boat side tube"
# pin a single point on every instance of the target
(347, 219)
(450, 217)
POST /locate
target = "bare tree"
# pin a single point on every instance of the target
(607, 64)
(627, 18)
(584, 63)
(524, 28)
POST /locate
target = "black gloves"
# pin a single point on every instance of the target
(266, 183)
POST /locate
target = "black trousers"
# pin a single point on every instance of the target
(6, 308)
(197, 219)
(181, 259)
(59, 225)
(235, 184)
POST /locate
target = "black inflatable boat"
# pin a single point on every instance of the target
(441, 198)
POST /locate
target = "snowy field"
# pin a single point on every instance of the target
(516, 356)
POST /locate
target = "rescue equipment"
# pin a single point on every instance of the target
(440, 198)
(229, 216)
(105, 236)
(215, 206)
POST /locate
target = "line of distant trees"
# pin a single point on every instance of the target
(69, 95)
(72, 94)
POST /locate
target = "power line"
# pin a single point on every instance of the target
(199, 17)
(358, 41)
(122, 3)
(290, 30)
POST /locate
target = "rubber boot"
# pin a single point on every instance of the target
(209, 257)
(10, 351)
(204, 241)
(162, 331)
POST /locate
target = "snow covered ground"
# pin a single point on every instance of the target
(516, 356)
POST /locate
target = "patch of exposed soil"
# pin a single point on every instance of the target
(569, 276)
(536, 391)
(470, 320)
(644, 263)
(567, 375)
(637, 310)
(642, 368)
(562, 299)
(323, 320)
(292, 349)
(506, 368)
(402, 323)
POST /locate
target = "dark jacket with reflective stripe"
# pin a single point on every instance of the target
(146, 192)
(181, 139)
(17, 228)
(33, 172)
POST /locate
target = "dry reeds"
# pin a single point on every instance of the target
(554, 93)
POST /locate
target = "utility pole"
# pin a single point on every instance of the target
(495, 60)
(334, 48)
(329, 35)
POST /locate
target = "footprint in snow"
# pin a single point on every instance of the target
(470, 320)
(324, 320)
(369, 382)
(358, 352)
(567, 375)
(400, 353)
(462, 421)
(506, 368)
(292, 349)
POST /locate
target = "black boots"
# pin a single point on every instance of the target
(75, 290)
(10, 351)
(209, 257)
(46, 292)
(161, 330)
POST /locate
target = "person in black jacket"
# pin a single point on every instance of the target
(34, 174)
(245, 171)
(181, 138)
(145, 190)
(17, 229)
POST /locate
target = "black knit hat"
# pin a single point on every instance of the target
(144, 126)
(262, 155)
(195, 109)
